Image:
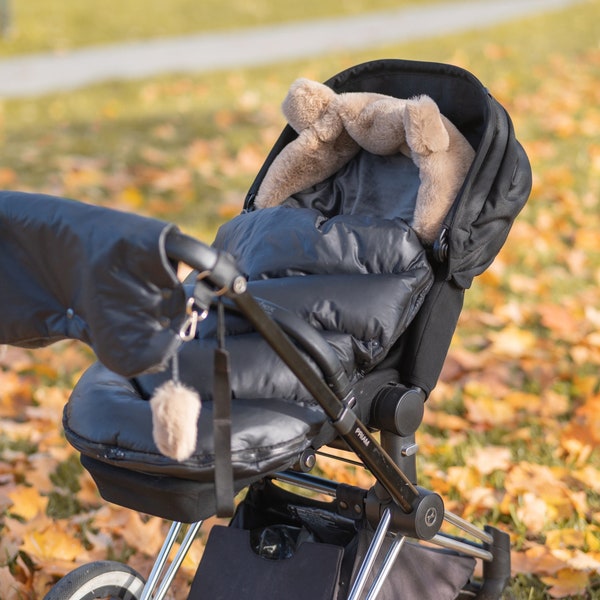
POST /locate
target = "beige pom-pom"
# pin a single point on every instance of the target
(175, 411)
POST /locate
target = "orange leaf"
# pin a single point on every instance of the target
(53, 542)
(144, 536)
(537, 559)
(567, 582)
(11, 588)
(533, 512)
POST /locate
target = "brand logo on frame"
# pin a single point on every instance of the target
(361, 436)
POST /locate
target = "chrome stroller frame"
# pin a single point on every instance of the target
(395, 505)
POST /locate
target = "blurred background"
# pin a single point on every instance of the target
(512, 430)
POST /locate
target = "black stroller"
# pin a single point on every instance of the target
(287, 364)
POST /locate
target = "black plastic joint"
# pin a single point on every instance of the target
(497, 572)
(345, 422)
(398, 409)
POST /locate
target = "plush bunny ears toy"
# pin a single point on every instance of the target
(332, 128)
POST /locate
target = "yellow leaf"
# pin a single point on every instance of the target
(565, 538)
(53, 542)
(464, 479)
(486, 410)
(490, 459)
(132, 197)
(27, 502)
(567, 582)
(513, 342)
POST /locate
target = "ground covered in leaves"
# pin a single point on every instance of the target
(511, 432)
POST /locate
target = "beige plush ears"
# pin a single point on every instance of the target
(321, 148)
(332, 128)
(379, 126)
(324, 143)
(306, 108)
(443, 156)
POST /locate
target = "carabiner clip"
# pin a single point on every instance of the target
(190, 325)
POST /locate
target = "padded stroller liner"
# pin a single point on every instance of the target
(357, 279)
(108, 420)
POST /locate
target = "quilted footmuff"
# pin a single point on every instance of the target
(357, 279)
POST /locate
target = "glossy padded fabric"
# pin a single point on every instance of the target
(108, 420)
(358, 279)
(71, 270)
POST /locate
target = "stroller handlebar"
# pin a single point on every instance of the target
(202, 257)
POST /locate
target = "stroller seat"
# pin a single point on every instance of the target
(346, 309)
(342, 272)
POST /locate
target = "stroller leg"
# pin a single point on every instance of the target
(371, 555)
(159, 566)
(387, 566)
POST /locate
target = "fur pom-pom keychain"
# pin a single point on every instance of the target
(175, 411)
(176, 407)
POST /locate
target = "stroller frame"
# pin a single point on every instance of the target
(395, 504)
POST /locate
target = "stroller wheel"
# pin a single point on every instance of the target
(103, 579)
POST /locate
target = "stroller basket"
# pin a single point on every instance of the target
(320, 322)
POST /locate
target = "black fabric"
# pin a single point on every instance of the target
(419, 571)
(357, 278)
(424, 345)
(70, 270)
(159, 495)
(108, 420)
(231, 570)
(284, 242)
(163, 496)
(494, 193)
(222, 435)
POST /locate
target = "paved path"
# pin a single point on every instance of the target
(38, 74)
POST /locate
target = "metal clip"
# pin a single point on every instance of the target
(190, 325)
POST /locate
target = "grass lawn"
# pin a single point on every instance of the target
(511, 431)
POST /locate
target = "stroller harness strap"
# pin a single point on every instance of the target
(222, 425)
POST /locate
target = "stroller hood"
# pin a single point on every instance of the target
(71, 270)
(499, 181)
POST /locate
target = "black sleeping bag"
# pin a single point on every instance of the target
(358, 279)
